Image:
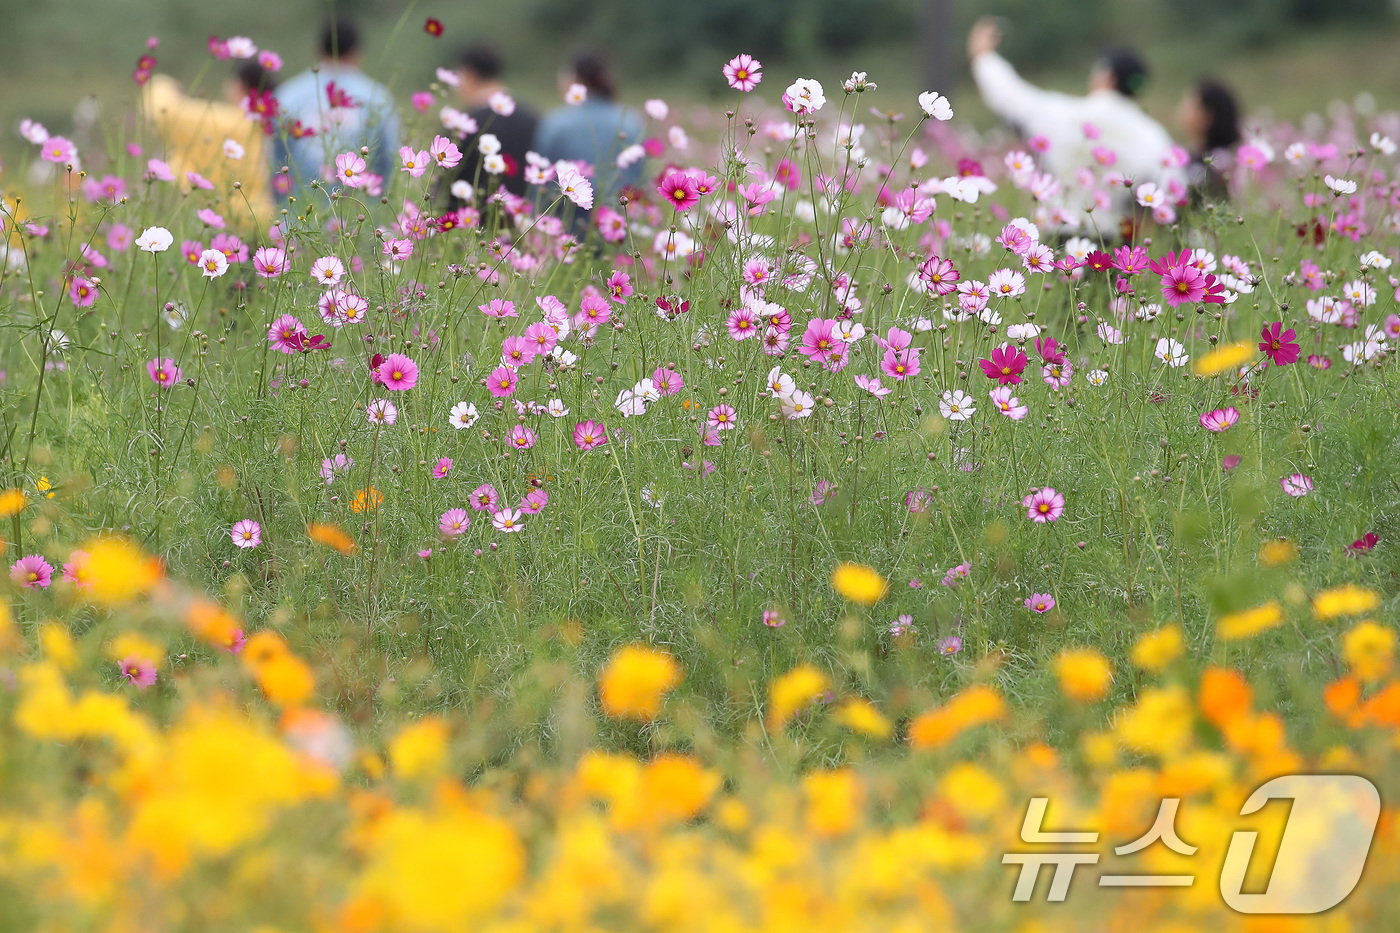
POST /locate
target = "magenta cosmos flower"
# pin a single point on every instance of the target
(286, 334)
(1279, 344)
(502, 381)
(521, 437)
(247, 533)
(442, 468)
(485, 497)
(1044, 505)
(1221, 419)
(590, 434)
(1297, 485)
(1040, 602)
(32, 572)
(1005, 366)
(139, 672)
(679, 188)
(743, 73)
(819, 341)
(163, 373)
(398, 373)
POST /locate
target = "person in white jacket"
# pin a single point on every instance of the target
(1099, 147)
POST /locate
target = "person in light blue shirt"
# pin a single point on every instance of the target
(594, 131)
(331, 108)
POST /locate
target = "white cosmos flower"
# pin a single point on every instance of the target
(797, 405)
(1340, 185)
(463, 415)
(1171, 352)
(935, 105)
(155, 240)
(957, 405)
(779, 383)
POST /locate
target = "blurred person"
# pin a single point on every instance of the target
(332, 108)
(594, 130)
(216, 140)
(496, 112)
(1209, 116)
(1104, 128)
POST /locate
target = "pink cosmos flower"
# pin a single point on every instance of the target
(773, 619)
(743, 323)
(521, 437)
(619, 286)
(398, 250)
(502, 381)
(679, 189)
(939, 275)
(534, 502)
(1007, 404)
(484, 498)
(1221, 419)
(381, 411)
(902, 624)
(743, 73)
(900, 365)
(75, 570)
(32, 572)
(59, 150)
(1057, 374)
(1005, 366)
(721, 418)
(139, 672)
(269, 262)
(284, 334)
(508, 521)
(819, 341)
(163, 373)
(442, 467)
(589, 435)
(498, 308)
(246, 533)
(541, 337)
(1040, 602)
(350, 169)
(415, 162)
(1297, 485)
(956, 575)
(1044, 505)
(82, 292)
(872, 385)
(445, 152)
(453, 522)
(398, 373)
(517, 352)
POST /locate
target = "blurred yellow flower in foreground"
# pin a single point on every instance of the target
(1084, 674)
(1160, 723)
(118, 571)
(1345, 600)
(12, 502)
(859, 583)
(1277, 552)
(420, 749)
(635, 682)
(1226, 357)
(792, 692)
(330, 536)
(284, 678)
(975, 706)
(860, 715)
(1369, 649)
(1249, 622)
(834, 801)
(1155, 650)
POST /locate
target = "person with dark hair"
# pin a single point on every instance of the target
(1105, 130)
(332, 108)
(592, 127)
(216, 140)
(481, 88)
(1210, 117)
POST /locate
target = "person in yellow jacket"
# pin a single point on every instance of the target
(217, 140)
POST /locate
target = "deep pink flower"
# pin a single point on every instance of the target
(521, 438)
(939, 275)
(819, 340)
(900, 364)
(1221, 419)
(1363, 544)
(1040, 602)
(442, 467)
(398, 373)
(679, 189)
(1279, 344)
(1005, 366)
(502, 381)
